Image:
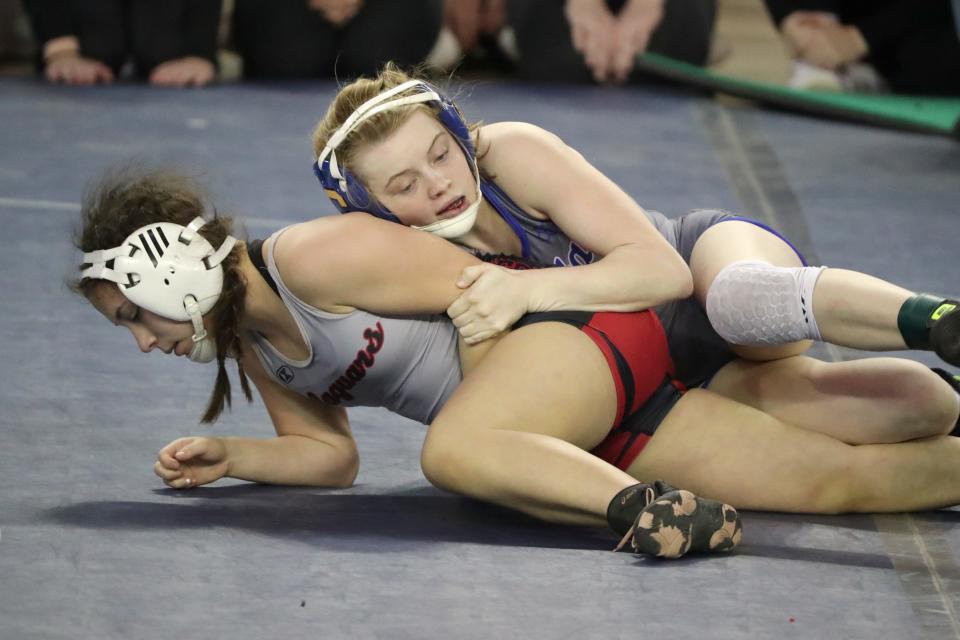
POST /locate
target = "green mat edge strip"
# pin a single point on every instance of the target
(785, 96)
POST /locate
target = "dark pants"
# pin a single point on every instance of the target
(286, 39)
(147, 32)
(923, 62)
(546, 48)
(922, 56)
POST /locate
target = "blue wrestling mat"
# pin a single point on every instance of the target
(93, 546)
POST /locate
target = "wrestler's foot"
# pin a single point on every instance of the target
(626, 505)
(945, 334)
(678, 522)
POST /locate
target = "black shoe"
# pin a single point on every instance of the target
(953, 381)
(660, 487)
(626, 505)
(678, 522)
(945, 336)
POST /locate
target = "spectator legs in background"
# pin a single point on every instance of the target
(384, 30)
(926, 62)
(283, 39)
(547, 54)
(286, 39)
(101, 30)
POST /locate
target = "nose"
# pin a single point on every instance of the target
(437, 184)
(145, 340)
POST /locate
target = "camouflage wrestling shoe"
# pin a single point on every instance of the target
(623, 510)
(678, 522)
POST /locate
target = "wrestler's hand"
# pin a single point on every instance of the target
(191, 462)
(71, 68)
(635, 24)
(494, 300)
(191, 71)
(592, 29)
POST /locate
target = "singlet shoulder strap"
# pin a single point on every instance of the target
(508, 209)
(255, 251)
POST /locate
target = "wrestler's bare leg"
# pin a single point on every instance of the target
(728, 451)
(867, 401)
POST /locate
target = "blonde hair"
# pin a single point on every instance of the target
(128, 198)
(373, 129)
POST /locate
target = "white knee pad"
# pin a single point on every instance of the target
(756, 303)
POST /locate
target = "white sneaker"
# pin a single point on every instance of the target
(809, 77)
(858, 77)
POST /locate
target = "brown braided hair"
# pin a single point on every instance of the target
(128, 198)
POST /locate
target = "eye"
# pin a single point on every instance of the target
(134, 315)
(407, 188)
(442, 156)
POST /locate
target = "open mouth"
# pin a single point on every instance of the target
(453, 207)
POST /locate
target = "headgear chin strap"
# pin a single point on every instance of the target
(460, 224)
(169, 270)
(347, 192)
(203, 349)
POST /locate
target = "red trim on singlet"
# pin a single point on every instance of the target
(612, 448)
(604, 347)
(641, 342)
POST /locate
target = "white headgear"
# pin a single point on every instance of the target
(169, 270)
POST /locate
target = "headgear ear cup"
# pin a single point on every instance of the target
(344, 189)
(353, 196)
(452, 119)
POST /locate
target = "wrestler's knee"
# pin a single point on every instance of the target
(932, 403)
(440, 458)
(755, 303)
(926, 405)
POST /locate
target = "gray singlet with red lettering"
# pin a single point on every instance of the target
(408, 365)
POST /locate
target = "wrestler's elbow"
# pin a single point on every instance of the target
(683, 282)
(334, 467)
(677, 278)
(347, 475)
(347, 470)
(661, 271)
